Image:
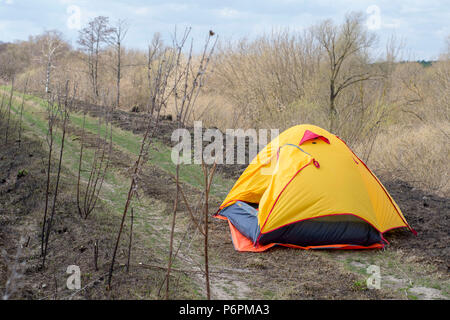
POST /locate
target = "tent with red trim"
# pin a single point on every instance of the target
(307, 189)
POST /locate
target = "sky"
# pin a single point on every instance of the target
(422, 25)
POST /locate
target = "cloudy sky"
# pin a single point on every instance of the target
(422, 24)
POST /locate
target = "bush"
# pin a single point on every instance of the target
(415, 154)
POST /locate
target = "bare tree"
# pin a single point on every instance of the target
(51, 119)
(345, 49)
(161, 64)
(130, 240)
(1, 106)
(208, 175)
(118, 34)
(58, 112)
(52, 46)
(91, 39)
(186, 93)
(21, 110)
(98, 167)
(266, 80)
(10, 65)
(166, 74)
(9, 108)
(191, 82)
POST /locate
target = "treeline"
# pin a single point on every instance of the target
(332, 75)
(98, 63)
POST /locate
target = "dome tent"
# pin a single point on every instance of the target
(307, 189)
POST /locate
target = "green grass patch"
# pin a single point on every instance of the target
(128, 142)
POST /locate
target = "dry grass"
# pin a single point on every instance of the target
(415, 154)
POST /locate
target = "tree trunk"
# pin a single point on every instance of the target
(332, 107)
(47, 77)
(118, 76)
(9, 109)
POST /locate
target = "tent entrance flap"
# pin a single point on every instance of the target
(244, 218)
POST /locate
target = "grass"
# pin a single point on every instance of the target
(396, 264)
(269, 295)
(22, 173)
(359, 285)
(396, 151)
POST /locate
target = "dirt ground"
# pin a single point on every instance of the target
(280, 273)
(429, 215)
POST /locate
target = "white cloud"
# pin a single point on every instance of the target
(141, 11)
(228, 13)
(392, 23)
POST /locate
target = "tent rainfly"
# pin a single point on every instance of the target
(307, 189)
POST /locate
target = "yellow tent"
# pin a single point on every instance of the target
(307, 189)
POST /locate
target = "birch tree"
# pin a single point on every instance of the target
(92, 39)
(52, 46)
